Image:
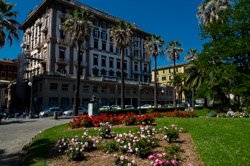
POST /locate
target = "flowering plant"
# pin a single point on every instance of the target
(160, 160)
(105, 130)
(124, 161)
(146, 118)
(171, 133)
(130, 119)
(75, 147)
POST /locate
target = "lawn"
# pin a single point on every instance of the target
(218, 141)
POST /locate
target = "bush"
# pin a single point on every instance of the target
(110, 147)
(105, 131)
(130, 119)
(172, 151)
(212, 114)
(171, 133)
(124, 161)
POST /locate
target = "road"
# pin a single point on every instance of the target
(16, 133)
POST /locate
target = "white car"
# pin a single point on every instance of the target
(49, 112)
(104, 108)
(115, 107)
(129, 107)
(81, 111)
(145, 106)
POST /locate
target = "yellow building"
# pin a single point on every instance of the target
(165, 75)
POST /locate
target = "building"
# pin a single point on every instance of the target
(8, 74)
(51, 60)
(165, 75)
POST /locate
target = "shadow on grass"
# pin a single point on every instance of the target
(41, 150)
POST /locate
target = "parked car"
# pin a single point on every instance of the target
(105, 107)
(49, 112)
(116, 107)
(81, 111)
(129, 107)
(145, 106)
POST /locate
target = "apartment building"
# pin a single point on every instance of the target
(165, 75)
(8, 73)
(51, 59)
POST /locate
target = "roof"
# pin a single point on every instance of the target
(72, 3)
(9, 61)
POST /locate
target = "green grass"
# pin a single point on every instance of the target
(218, 141)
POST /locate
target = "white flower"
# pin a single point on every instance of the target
(136, 149)
(121, 158)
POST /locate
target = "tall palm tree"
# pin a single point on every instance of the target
(191, 57)
(122, 35)
(8, 24)
(173, 49)
(153, 46)
(208, 11)
(194, 76)
(78, 26)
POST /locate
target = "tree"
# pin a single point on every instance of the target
(173, 49)
(78, 26)
(8, 24)
(153, 46)
(122, 35)
(208, 11)
(191, 71)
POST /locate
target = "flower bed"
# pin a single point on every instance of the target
(127, 119)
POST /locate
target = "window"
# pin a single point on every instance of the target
(96, 32)
(104, 24)
(96, 44)
(62, 53)
(125, 65)
(53, 102)
(104, 46)
(103, 61)
(65, 87)
(163, 78)
(136, 53)
(104, 35)
(103, 72)
(62, 35)
(85, 88)
(145, 67)
(118, 64)
(111, 48)
(127, 91)
(111, 62)
(95, 89)
(163, 71)
(176, 69)
(136, 66)
(41, 87)
(169, 77)
(10, 75)
(111, 73)
(74, 87)
(169, 70)
(81, 56)
(53, 86)
(96, 23)
(104, 89)
(95, 59)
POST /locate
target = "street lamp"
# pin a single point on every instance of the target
(140, 87)
(30, 83)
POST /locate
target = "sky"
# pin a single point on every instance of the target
(171, 19)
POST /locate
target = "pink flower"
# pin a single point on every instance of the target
(164, 154)
(150, 157)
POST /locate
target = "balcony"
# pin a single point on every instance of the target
(63, 41)
(44, 28)
(61, 61)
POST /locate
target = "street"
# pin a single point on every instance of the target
(16, 133)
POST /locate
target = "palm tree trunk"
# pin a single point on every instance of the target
(78, 68)
(155, 78)
(122, 79)
(174, 92)
(192, 97)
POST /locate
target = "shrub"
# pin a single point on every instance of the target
(172, 151)
(171, 133)
(212, 114)
(159, 159)
(145, 119)
(123, 161)
(130, 119)
(110, 147)
(75, 147)
(105, 130)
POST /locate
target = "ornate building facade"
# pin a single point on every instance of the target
(51, 59)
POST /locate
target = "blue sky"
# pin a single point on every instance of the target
(171, 19)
